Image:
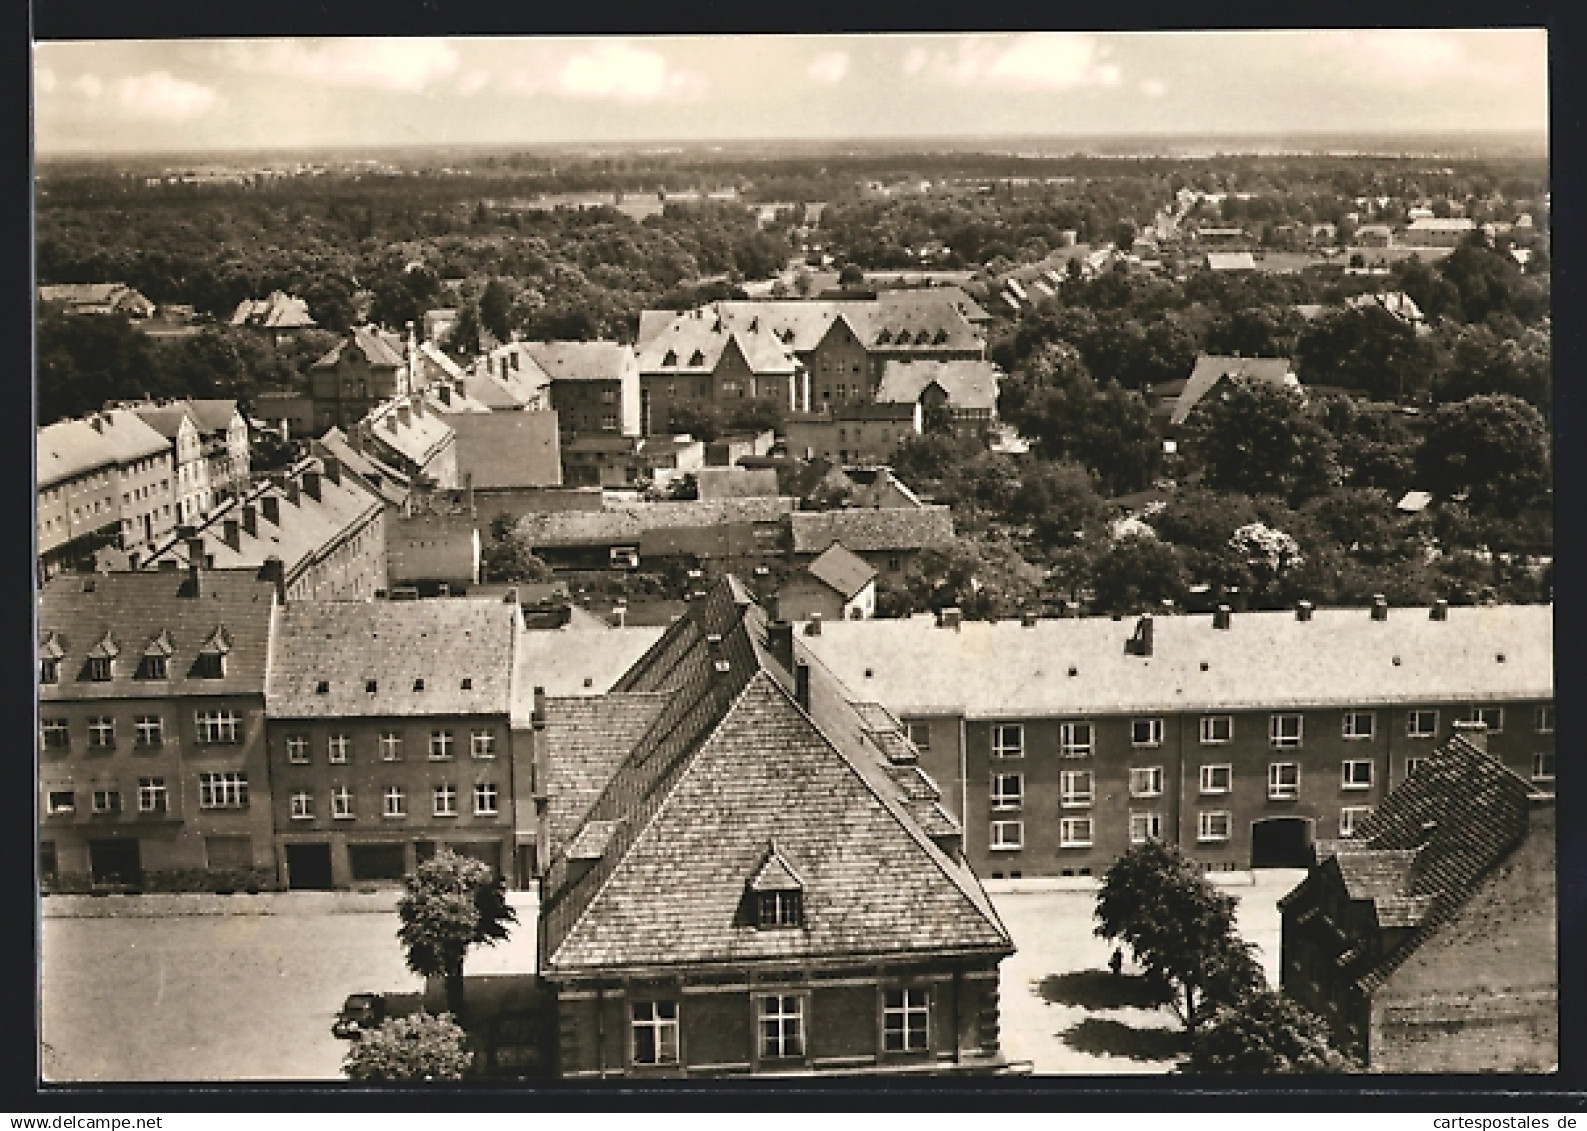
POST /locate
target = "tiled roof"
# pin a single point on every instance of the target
(586, 738)
(135, 610)
(345, 646)
(842, 571)
(431, 355)
(390, 484)
(1397, 303)
(1341, 657)
(379, 347)
(625, 522)
(212, 414)
(1209, 370)
(574, 661)
(708, 334)
(280, 311)
(165, 419)
(583, 361)
(418, 439)
(523, 382)
(448, 398)
(431, 547)
(735, 482)
(69, 448)
(731, 766)
(508, 449)
(968, 384)
(871, 529)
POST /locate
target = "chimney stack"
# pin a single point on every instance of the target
(1028, 618)
(332, 469)
(195, 550)
(1141, 643)
(1440, 610)
(250, 520)
(193, 573)
(271, 506)
(780, 641)
(291, 488)
(311, 485)
(404, 416)
(951, 617)
(444, 391)
(802, 684)
(1303, 610)
(814, 627)
(1222, 617)
(1474, 731)
(538, 718)
(272, 570)
(231, 534)
(1380, 607)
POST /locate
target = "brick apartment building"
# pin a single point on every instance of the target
(1241, 737)
(594, 386)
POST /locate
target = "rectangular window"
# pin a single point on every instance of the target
(1217, 778)
(1076, 787)
(1493, 716)
(336, 749)
(1216, 729)
(60, 801)
(101, 732)
(1350, 818)
(341, 802)
(1359, 725)
(107, 801)
(1008, 790)
(920, 735)
(152, 796)
(1146, 781)
(99, 669)
(1074, 832)
(150, 730)
(1145, 827)
(782, 1026)
(906, 1015)
(1074, 740)
(1357, 773)
(57, 733)
(391, 747)
(1008, 836)
(154, 667)
(482, 744)
(1212, 826)
(217, 727)
(302, 805)
(1146, 732)
(1421, 724)
(396, 802)
(1543, 719)
(440, 745)
(1284, 731)
(655, 1029)
(225, 790)
(446, 801)
(1543, 767)
(1008, 741)
(297, 749)
(485, 799)
(1283, 781)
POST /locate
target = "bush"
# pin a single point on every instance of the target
(421, 1046)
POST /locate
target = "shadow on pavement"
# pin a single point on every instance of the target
(1098, 1036)
(1098, 989)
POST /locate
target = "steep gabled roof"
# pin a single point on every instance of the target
(1210, 369)
(967, 384)
(587, 737)
(212, 414)
(379, 348)
(280, 311)
(870, 529)
(69, 448)
(842, 571)
(583, 361)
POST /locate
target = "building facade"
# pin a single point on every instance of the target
(594, 386)
(358, 373)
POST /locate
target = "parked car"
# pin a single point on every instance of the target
(359, 1012)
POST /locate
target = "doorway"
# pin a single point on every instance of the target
(115, 862)
(309, 867)
(1281, 842)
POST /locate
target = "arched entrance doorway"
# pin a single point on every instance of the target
(1282, 842)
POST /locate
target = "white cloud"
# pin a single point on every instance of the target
(829, 68)
(1038, 61)
(44, 80)
(159, 95)
(88, 85)
(473, 82)
(1417, 59)
(380, 64)
(610, 69)
(1154, 88)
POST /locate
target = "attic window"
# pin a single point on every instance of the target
(942, 336)
(779, 909)
(323, 687)
(884, 337)
(371, 686)
(99, 669)
(697, 358)
(468, 684)
(418, 684)
(154, 667)
(671, 358)
(49, 671)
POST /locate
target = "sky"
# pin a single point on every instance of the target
(161, 95)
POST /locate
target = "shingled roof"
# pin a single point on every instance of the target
(871, 529)
(967, 384)
(508, 449)
(69, 448)
(694, 342)
(732, 767)
(843, 572)
(1210, 369)
(587, 737)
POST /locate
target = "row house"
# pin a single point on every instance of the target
(224, 432)
(321, 533)
(1244, 738)
(152, 734)
(176, 423)
(363, 370)
(594, 386)
(107, 480)
(763, 882)
(409, 436)
(388, 736)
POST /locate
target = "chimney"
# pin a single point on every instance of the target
(193, 582)
(538, 717)
(444, 391)
(291, 487)
(195, 551)
(1028, 618)
(271, 506)
(96, 422)
(1440, 610)
(404, 416)
(950, 617)
(332, 469)
(814, 627)
(186, 531)
(1141, 643)
(311, 485)
(1474, 731)
(1303, 610)
(802, 684)
(231, 534)
(1222, 617)
(780, 641)
(272, 570)
(250, 520)
(1380, 607)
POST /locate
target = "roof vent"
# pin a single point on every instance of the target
(1073, 671)
(1380, 607)
(1303, 610)
(467, 684)
(1396, 661)
(1499, 658)
(323, 687)
(371, 686)
(418, 684)
(1439, 611)
(869, 672)
(1204, 665)
(589, 681)
(1222, 617)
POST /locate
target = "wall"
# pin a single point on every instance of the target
(838, 369)
(352, 570)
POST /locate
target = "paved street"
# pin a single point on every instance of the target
(213, 997)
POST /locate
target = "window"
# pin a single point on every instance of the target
(446, 801)
(1008, 790)
(152, 796)
(1145, 827)
(1146, 781)
(1076, 787)
(1074, 832)
(920, 735)
(1492, 716)
(655, 1027)
(779, 909)
(217, 727)
(225, 790)
(1146, 732)
(1008, 836)
(906, 1017)
(1542, 718)
(1350, 818)
(1421, 724)
(150, 730)
(782, 1026)
(485, 798)
(1543, 767)
(302, 805)
(342, 803)
(1283, 781)
(1359, 725)
(1008, 741)
(336, 748)
(1216, 729)
(440, 745)
(107, 801)
(154, 667)
(101, 732)
(1357, 773)
(99, 669)
(609, 422)
(396, 802)
(482, 744)
(1217, 778)
(297, 749)
(60, 801)
(49, 671)
(57, 733)
(1284, 731)
(1212, 825)
(1412, 764)
(391, 747)
(210, 665)
(1074, 739)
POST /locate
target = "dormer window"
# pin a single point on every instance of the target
(780, 909)
(884, 337)
(942, 336)
(50, 653)
(776, 893)
(156, 657)
(99, 669)
(212, 656)
(154, 667)
(697, 358)
(671, 358)
(49, 671)
(102, 658)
